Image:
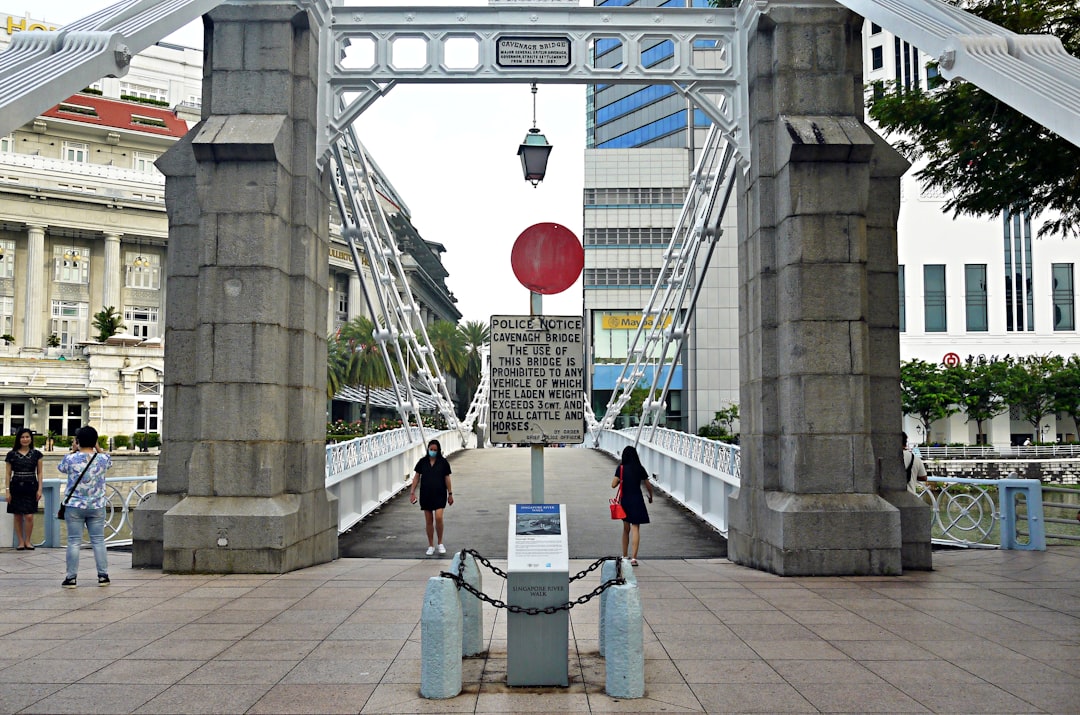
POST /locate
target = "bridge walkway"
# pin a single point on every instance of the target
(486, 481)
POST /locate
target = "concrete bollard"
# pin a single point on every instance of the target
(625, 663)
(440, 640)
(472, 608)
(607, 572)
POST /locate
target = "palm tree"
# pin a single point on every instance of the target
(448, 345)
(361, 361)
(477, 334)
(108, 323)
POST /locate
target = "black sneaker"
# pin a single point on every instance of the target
(68, 583)
(103, 581)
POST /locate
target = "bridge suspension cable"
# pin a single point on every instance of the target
(400, 330)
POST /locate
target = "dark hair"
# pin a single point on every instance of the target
(630, 458)
(86, 437)
(19, 434)
(437, 445)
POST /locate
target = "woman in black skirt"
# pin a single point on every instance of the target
(24, 480)
(432, 475)
(632, 475)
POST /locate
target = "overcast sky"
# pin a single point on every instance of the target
(451, 152)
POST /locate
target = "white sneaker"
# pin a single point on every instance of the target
(430, 550)
(442, 549)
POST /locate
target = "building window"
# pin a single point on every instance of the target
(341, 292)
(877, 57)
(142, 91)
(142, 270)
(874, 28)
(628, 236)
(12, 416)
(1064, 296)
(903, 299)
(621, 277)
(69, 321)
(77, 152)
(71, 264)
(7, 315)
(65, 417)
(634, 196)
(934, 298)
(147, 416)
(7, 259)
(142, 322)
(7, 144)
(975, 297)
(144, 162)
(1019, 288)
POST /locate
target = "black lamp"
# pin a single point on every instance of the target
(534, 151)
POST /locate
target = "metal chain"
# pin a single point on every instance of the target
(459, 579)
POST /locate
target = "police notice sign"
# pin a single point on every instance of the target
(537, 379)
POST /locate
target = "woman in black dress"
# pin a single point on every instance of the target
(432, 474)
(632, 475)
(24, 481)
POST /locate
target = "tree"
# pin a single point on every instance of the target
(987, 156)
(1067, 397)
(108, 323)
(927, 392)
(476, 334)
(360, 361)
(1030, 387)
(448, 345)
(977, 384)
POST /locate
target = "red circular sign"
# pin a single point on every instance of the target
(950, 360)
(547, 258)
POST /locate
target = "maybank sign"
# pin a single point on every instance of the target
(24, 24)
(628, 322)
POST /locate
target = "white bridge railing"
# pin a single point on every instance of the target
(698, 473)
(366, 472)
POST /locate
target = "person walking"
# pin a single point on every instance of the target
(432, 474)
(632, 475)
(913, 466)
(85, 503)
(24, 482)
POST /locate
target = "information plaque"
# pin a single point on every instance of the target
(532, 51)
(537, 379)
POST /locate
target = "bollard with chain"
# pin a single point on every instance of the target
(613, 569)
(472, 612)
(440, 640)
(625, 661)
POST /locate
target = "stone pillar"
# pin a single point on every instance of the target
(110, 294)
(356, 297)
(809, 502)
(241, 478)
(33, 328)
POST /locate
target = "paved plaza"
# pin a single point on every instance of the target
(985, 632)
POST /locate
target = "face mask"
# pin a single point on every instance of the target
(432, 453)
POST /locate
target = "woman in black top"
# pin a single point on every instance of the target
(24, 481)
(432, 473)
(632, 475)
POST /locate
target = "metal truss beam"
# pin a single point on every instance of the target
(1032, 73)
(705, 64)
(41, 69)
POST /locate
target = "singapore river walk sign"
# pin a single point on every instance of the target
(537, 379)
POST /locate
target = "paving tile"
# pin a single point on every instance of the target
(350, 671)
(206, 699)
(973, 698)
(496, 698)
(798, 672)
(839, 697)
(172, 647)
(248, 672)
(300, 699)
(796, 650)
(42, 670)
(136, 670)
(751, 698)
(727, 671)
(17, 696)
(91, 699)
(267, 650)
(920, 671)
(1051, 697)
(405, 698)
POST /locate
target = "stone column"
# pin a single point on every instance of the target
(243, 461)
(809, 502)
(34, 310)
(110, 294)
(356, 297)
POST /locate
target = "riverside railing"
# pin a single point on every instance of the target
(965, 512)
(124, 494)
(1035, 451)
(696, 472)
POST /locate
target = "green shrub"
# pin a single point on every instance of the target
(40, 439)
(153, 439)
(63, 440)
(121, 441)
(7, 441)
(103, 442)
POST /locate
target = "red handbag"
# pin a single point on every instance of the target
(617, 512)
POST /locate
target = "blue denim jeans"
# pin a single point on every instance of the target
(94, 519)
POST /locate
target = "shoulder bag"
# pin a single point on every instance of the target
(63, 506)
(617, 511)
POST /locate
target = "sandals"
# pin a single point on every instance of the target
(633, 562)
